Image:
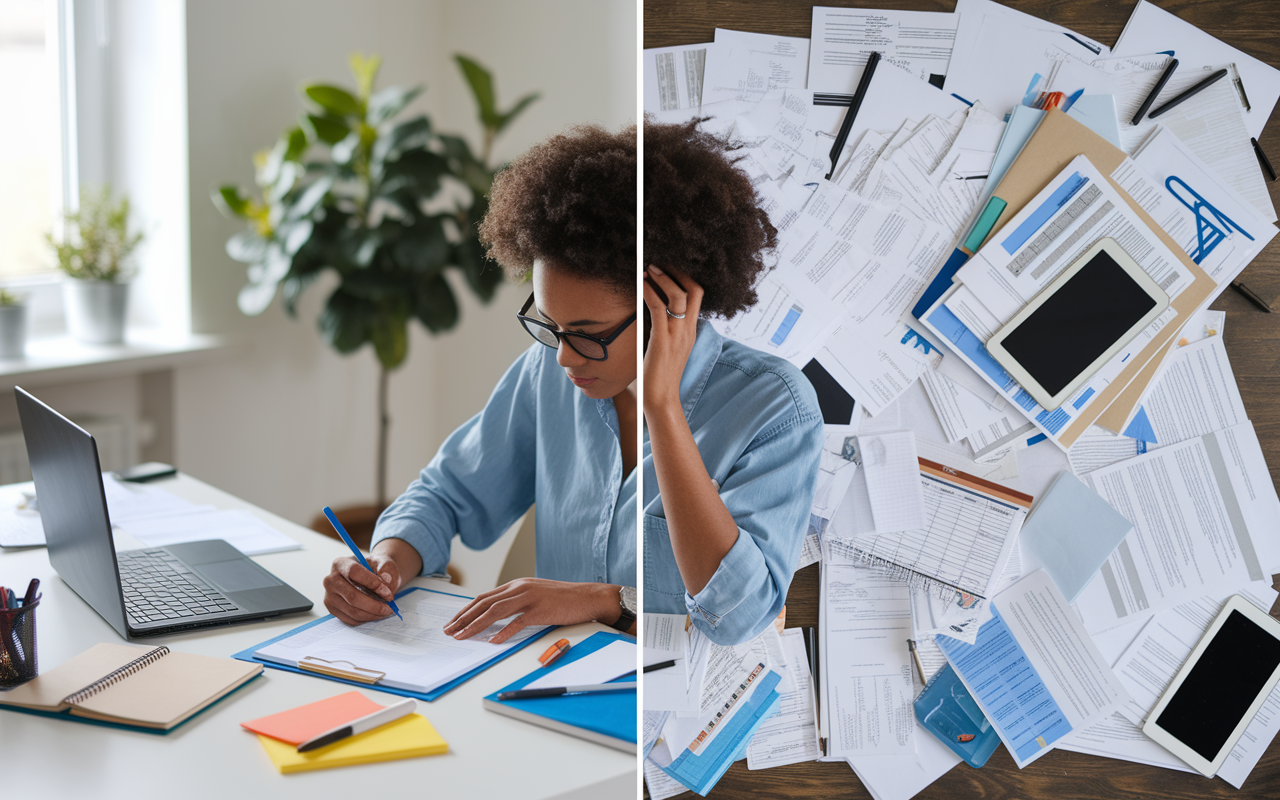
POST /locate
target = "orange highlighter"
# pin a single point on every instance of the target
(553, 652)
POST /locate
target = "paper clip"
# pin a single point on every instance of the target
(323, 667)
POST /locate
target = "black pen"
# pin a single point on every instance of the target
(863, 83)
(660, 665)
(1155, 92)
(557, 691)
(1194, 90)
(1263, 160)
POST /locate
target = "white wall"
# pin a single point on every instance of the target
(290, 425)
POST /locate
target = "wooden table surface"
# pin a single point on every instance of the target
(1253, 344)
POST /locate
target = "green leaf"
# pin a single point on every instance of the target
(296, 144)
(365, 71)
(482, 275)
(422, 169)
(434, 304)
(333, 99)
(230, 202)
(481, 83)
(506, 119)
(295, 235)
(389, 330)
(291, 290)
(329, 130)
(422, 247)
(388, 102)
(306, 203)
(345, 321)
(247, 247)
(414, 133)
(345, 150)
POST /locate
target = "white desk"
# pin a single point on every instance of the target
(490, 755)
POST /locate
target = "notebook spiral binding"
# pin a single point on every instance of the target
(118, 675)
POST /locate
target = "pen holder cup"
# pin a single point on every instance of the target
(18, 645)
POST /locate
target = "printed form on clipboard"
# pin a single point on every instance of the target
(413, 654)
(1077, 208)
(971, 527)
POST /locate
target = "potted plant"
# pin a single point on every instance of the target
(389, 205)
(13, 325)
(94, 255)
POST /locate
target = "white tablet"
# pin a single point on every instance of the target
(1220, 687)
(1078, 323)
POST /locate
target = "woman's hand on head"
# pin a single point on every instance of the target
(537, 602)
(671, 338)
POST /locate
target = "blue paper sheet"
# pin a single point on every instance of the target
(1071, 532)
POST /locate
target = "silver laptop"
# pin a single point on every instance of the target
(146, 592)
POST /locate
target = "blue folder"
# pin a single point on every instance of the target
(607, 715)
(247, 655)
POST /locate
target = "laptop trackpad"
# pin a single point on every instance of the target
(236, 576)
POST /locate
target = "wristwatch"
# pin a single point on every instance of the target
(626, 599)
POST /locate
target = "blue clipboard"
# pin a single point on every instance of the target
(435, 694)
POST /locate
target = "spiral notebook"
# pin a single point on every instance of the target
(152, 688)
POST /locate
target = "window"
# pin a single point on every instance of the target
(31, 152)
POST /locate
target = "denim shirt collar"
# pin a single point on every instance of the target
(697, 369)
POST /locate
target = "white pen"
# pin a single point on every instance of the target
(366, 723)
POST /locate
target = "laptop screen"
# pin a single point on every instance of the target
(73, 506)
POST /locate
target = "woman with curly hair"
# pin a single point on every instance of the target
(733, 434)
(560, 427)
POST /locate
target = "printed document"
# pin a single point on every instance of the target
(1205, 516)
(673, 77)
(790, 736)
(743, 66)
(919, 42)
(1154, 658)
(865, 673)
(415, 653)
(1034, 671)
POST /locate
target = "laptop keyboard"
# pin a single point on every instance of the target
(159, 587)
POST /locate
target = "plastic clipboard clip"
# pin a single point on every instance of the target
(330, 668)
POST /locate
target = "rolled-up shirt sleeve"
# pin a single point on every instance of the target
(769, 492)
(481, 480)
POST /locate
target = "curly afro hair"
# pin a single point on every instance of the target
(571, 202)
(702, 217)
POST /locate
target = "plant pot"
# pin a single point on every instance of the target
(95, 310)
(13, 331)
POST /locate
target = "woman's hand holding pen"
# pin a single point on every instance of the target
(354, 594)
(537, 602)
(673, 330)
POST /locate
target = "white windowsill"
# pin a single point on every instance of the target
(61, 359)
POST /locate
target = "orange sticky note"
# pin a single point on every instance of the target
(297, 725)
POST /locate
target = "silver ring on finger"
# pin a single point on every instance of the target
(674, 316)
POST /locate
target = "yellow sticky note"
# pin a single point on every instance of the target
(407, 737)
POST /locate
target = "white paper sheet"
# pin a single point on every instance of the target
(1034, 671)
(892, 470)
(919, 42)
(601, 666)
(238, 527)
(1117, 737)
(866, 668)
(415, 653)
(790, 736)
(1151, 29)
(673, 77)
(742, 66)
(1205, 516)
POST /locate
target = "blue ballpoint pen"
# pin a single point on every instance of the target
(346, 537)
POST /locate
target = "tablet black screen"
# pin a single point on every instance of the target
(1222, 685)
(1078, 323)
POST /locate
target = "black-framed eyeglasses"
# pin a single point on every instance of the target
(582, 344)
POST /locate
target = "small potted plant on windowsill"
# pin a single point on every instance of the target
(13, 325)
(94, 256)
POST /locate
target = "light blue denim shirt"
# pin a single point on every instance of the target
(755, 418)
(538, 439)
